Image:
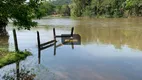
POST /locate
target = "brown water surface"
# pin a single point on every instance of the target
(111, 49)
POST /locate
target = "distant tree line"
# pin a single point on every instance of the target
(96, 8)
(106, 8)
(55, 7)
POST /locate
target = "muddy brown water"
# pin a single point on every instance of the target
(111, 49)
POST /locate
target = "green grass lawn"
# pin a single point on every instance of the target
(7, 57)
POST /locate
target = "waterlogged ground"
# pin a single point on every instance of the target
(111, 50)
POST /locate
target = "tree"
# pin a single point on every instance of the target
(133, 7)
(58, 9)
(65, 10)
(78, 7)
(46, 8)
(106, 8)
(20, 12)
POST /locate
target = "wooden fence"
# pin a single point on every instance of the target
(42, 46)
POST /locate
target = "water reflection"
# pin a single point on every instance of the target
(89, 61)
(55, 47)
(59, 45)
(20, 73)
(117, 36)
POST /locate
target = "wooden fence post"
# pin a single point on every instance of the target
(54, 48)
(17, 71)
(72, 45)
(15, 40)
(54, 34)
(38, 41)
(72, 31)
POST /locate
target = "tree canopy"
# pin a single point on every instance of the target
(20, 12)
(107, 8)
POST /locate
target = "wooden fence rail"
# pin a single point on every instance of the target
(59, 36)
(50, 43)
(43, 45)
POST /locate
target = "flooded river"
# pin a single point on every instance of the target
(111, 49)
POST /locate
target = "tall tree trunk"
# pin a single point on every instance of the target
(3, 33)
(3, 24)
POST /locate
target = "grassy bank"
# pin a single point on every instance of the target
(7, 57)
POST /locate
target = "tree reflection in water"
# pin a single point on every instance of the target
(117, 36)
(37, 72)
(19, 74)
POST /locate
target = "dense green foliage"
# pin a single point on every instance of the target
(55, 7)
(20, 12)
(46, 8)
(62, 7)
(106, 8)
(96, 8)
